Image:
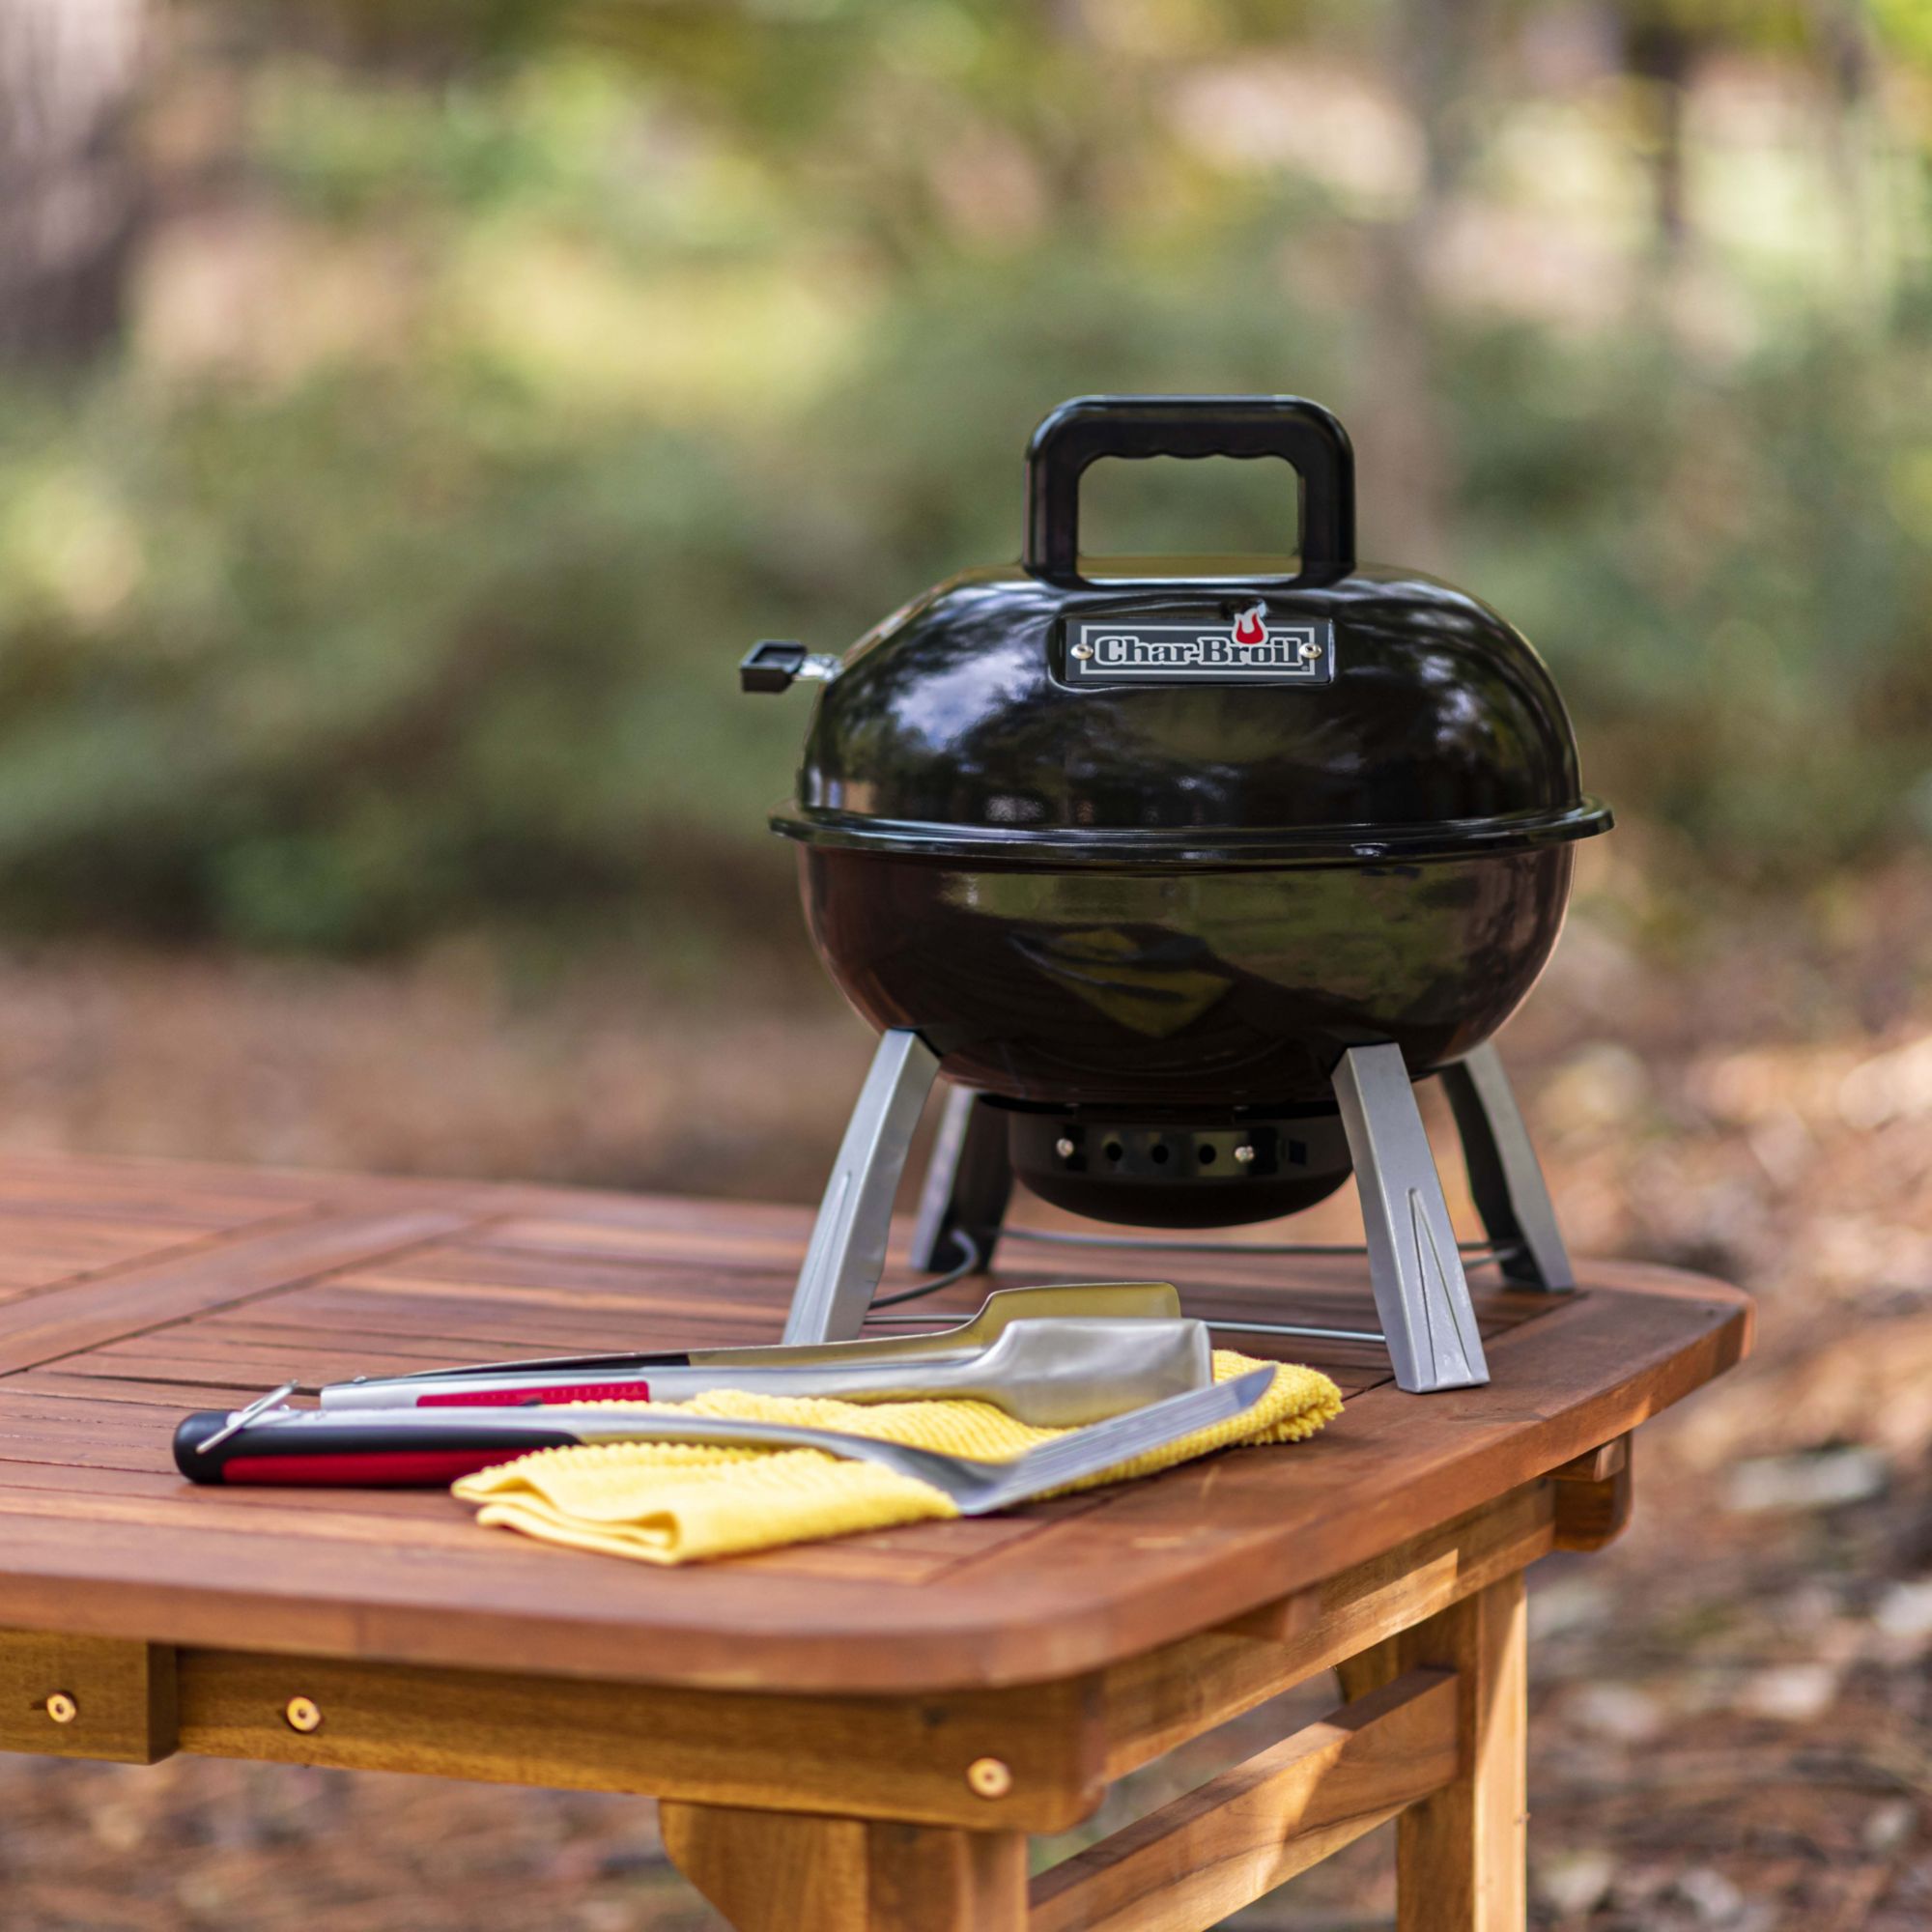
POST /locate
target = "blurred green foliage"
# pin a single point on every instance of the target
(393, 581)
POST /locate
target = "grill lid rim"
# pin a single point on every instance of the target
(1164, 846)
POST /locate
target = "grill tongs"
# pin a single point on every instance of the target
(976, 1487)
(668, 1377)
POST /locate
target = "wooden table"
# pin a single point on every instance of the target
(851, 1736)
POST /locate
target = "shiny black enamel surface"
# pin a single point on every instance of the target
(1139, 987)
(948, 732)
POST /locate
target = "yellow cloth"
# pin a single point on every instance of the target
(678, 1502)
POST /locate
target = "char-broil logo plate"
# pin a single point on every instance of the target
(1250, 647)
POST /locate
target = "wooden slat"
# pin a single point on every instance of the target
(325, 1530)
(486, 1326)
(47, 1327)
(720, 1270)
(904, 1759)
(768, 1233)
(1218, 1849)
(253, 1325)
(539, 1308)
(35, 1263)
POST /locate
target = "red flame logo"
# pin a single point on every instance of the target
(1250, 626)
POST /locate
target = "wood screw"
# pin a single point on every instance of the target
(989, 1778)
(62, 1708)
(303, 1713)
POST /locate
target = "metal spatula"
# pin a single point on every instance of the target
(583, 1377)
(271, 1447)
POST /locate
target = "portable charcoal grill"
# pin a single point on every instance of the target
(1183, 872)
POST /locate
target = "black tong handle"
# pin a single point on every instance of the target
(359, 1453)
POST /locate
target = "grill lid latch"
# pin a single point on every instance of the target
(776, 664)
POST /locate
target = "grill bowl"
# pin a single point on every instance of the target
(1202, 989)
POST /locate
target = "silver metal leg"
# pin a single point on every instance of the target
(1504, 1176)
(849, 1242)
(968, 1183)
(1420, 1291)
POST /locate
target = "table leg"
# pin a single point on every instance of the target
(1461, 1856)
(779, 1871)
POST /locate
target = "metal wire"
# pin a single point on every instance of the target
(1475, 1250)
(1299, 1331)
(958, 1273)
(1480, 1250)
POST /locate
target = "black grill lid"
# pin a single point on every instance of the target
(1206, 711)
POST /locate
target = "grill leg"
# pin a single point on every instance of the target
(848, 1241)
(1504, 1176)
(1421, 1294)
(968, 1185)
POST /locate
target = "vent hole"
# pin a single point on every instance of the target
(1205, 1157)
(1159, 1153)
(1112, 1150)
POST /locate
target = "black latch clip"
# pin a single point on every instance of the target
(774, 663)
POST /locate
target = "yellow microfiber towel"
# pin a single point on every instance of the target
(676, 1502)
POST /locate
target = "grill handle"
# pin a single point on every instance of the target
(1088, 428)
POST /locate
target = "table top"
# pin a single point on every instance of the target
(131, 1292)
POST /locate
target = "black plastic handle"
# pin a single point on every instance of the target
(770, 664)
(1088, 428)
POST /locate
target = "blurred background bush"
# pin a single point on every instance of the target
(409, 413)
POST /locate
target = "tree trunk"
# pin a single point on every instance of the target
(1406, 441)
(1660, 52)
(1850, 60)
(70, 190)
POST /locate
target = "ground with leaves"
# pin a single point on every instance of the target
(1732, 1706)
